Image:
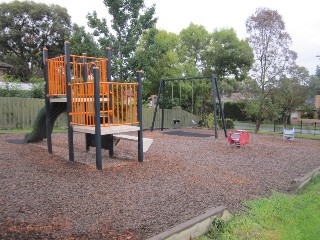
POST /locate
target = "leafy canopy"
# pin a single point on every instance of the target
(227, 55)
(26, 28)
(84, 42)
(128, 20)
(273, 58)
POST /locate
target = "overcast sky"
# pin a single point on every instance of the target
(302, 18)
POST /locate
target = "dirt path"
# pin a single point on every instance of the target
(46, 196)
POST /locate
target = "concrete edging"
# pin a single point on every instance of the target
(194, 227)
(298, 183)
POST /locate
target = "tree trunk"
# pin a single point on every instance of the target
(258, 123)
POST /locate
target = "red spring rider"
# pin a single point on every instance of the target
(238, 137)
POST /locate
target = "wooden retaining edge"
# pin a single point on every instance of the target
(194, 227)
(299, 183)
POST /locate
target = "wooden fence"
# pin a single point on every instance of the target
(19, 113)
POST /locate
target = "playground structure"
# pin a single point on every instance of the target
(96, 106)
(176, 122)
(238, 137)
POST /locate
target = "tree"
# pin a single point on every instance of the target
(83, 42)
(273, 57)
(129, 18)
(291, 92)
(156, 56)
(227, 56)
(193, 41)
(26, 28)
(314, 83)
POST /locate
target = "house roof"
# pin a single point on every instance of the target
(5, 65)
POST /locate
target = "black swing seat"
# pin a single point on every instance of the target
(176, 121)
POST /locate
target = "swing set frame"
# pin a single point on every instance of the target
(215, 95)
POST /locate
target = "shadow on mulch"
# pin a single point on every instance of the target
(188, 134)
(17, 141)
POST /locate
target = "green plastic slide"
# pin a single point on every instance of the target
(39, 131)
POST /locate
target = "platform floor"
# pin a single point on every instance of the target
(106, 130)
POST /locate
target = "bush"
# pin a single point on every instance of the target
(235, 110)
(11, 88)
(208, 120)
(308, 113)
(229, 123)
(37, 89)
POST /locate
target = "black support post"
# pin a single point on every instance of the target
(84, 68)
(97, 117)
(214, 91)
(47, 100)
(109, 71)
(69, 103)
(156, 107)
(163, 103)
(220, 106)
(139, 113)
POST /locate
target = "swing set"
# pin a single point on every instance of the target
(215, 96)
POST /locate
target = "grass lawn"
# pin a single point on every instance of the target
(297, 135)
(305, 126)
(281, 216)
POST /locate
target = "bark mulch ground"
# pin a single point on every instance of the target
(44, 196)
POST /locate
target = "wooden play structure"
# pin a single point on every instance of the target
(238, 137)
(101, 109)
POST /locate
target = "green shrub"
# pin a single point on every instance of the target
(235, 110)
(208, 120)
(10, 88)
(37, 89)
(229, 123)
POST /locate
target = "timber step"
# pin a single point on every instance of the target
(146, 141)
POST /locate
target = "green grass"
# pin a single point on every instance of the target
(308, 136)
(297, 135)
(278, 125)
(252, 124)
(279, 217)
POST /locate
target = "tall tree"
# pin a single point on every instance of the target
(314, 83)
(26, 28)
(291, 92)
(273, 57)
(129, 18)
(156, 56)
(227, 55)
(193, 41)
(84, 42)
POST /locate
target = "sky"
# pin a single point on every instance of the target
(302, 19)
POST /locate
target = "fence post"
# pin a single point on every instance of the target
(315, 127)
(301, 127)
